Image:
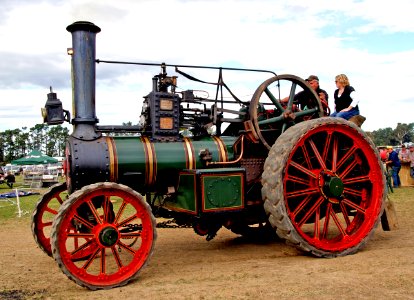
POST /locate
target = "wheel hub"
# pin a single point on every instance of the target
(334, 186)
(331, 186)
(108, 236)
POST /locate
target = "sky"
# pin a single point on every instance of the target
(371, 41)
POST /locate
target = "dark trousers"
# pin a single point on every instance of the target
(395, 176)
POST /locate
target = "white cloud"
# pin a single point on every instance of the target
(297, 37)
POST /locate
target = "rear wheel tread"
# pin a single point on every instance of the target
(272, 181)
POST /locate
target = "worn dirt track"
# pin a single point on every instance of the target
(185, 266)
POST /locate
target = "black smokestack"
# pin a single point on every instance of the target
(83, 79)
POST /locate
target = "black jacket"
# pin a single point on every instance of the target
(345, 100)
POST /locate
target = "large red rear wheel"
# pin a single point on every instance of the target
(42, 217)
(112, 223)
(323, 187)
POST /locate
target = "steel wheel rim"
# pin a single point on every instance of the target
(282, 114)
(106, 265)
(308, 199)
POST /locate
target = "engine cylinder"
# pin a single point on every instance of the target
(138, 162)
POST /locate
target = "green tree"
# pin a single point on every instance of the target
(382, 137)
(9, 144)
(38, 135)
(57, 136)
(1, 146)
(22, 142)
(403, 133)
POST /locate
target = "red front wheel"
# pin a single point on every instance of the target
(323, 187)
(114, 225)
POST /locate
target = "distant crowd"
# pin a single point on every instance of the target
(393, 160)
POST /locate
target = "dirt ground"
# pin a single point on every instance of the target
(186, 266)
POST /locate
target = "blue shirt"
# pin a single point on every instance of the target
(393, 156)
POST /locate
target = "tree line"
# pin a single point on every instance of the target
(16, 143)
(403, 133)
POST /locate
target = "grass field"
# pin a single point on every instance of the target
(9, 207)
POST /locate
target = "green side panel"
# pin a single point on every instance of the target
(186, 194)
(130, 154)
(168, 160)
(222, 191)
(170, 156)
(131, 161)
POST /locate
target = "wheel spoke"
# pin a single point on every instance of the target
(303, 169)
(291, 95)
(301, 206)
(335, 154)
(305, 192)
(94, 211)
(45, 224)
(82, 247)
(106, 208)
(271, 121)
(345, 214)
(127, 220)
(52, 211)
(346, 157)
(103, 262)
(126, 247)
(348, 169)
(310, 212)
(316, 229)
(306, 155)
(59, 199)
(363, 178)
(83, 221)
(120, 212)
(326, 148)
(337, 222)
(298, 180)
(318, 156)
(353, 192)
(117, 258)
(353, 205)
(284, 125)
(326, 223)
(306, 112)
(274, 100)
(91, 259)
(80, 235)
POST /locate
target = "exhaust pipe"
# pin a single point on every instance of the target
(83, 54)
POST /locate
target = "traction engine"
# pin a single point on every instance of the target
(260, 168)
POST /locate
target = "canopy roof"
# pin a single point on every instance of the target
(34, 158)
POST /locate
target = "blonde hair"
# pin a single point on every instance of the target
(341, 78)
